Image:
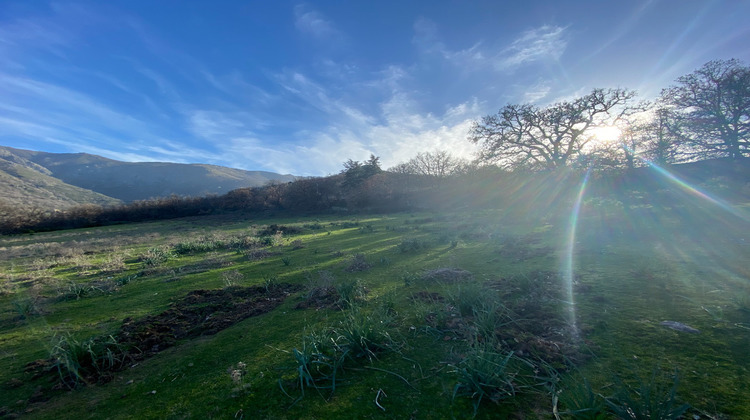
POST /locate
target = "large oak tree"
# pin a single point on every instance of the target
(550, 137)
(713, 103)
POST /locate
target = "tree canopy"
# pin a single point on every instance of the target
(713, 104)
(550, 137)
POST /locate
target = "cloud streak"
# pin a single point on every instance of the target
(543, 43)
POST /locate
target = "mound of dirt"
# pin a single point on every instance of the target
(447, 275)
(321, 298)
(201, 312)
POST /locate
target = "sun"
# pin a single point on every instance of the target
(606, 134)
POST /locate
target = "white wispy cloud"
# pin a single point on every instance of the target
(312, 22)
(543, 43)
(536, 92)
(427, 39)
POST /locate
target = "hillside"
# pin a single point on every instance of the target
(24, 183)
(130, 181)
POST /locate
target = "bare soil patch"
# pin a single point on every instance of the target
(201, 312)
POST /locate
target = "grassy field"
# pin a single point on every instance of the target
(449, 315)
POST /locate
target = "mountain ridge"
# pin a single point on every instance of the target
(120, 181)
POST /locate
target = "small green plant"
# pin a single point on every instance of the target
(485, 374)
(580, 402)
(79, 290)
(122, 281)
(488, 315)
(350, 292)
(470, 298)
(156, 256)
(238, 374)
(270, 282)
(286, 260)
(409, 278)
(25, 307)
(317, 364)
(742, 303)
(653, 400)
(231, 278)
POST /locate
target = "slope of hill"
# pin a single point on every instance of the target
(128, 181)
(25, 184)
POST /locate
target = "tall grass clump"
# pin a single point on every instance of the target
(471, 297)
(78, 362)
(654, 399)
(318, 363)
(156, 256)
(25, 307)
(485, 374)
(351, 292)
(364, 335)
(411, 245)
(579, 401)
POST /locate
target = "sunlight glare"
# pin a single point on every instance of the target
(606, 134)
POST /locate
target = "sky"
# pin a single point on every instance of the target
(301, 87)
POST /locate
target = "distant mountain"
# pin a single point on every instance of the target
(25, 184)
(129, 181)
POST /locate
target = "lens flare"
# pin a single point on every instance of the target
(696, 192)
(569, 251)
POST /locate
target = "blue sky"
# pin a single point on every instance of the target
(300, 87)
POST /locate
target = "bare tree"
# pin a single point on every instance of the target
(661, 137)
(437, 164)
(713, 102)
(551, 137)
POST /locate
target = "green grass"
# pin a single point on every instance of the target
(408, 329)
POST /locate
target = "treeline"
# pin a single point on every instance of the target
(366, 188)
(360, 187)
